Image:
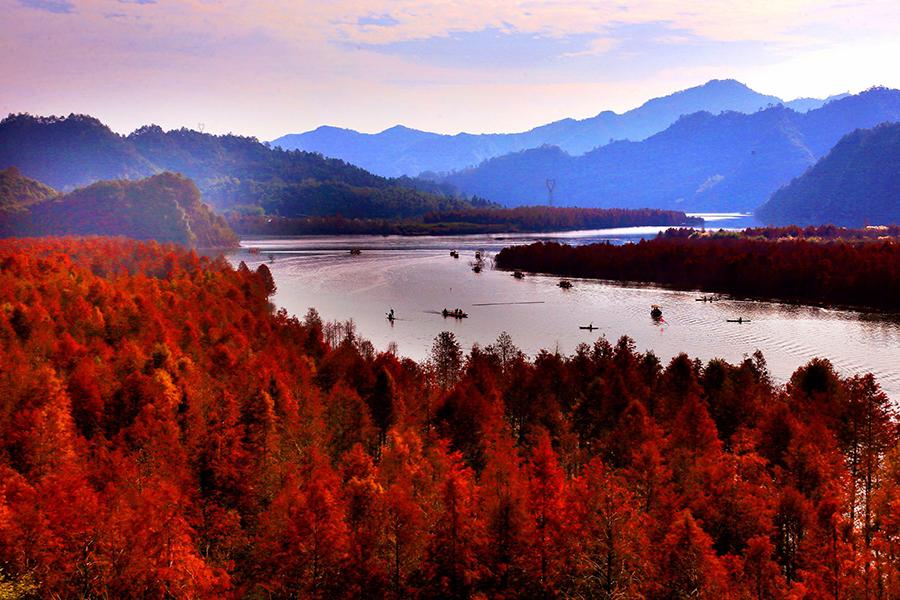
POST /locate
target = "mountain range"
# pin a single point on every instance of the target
(232, 172)
(857, 183)
(403, 151)
(702, 163)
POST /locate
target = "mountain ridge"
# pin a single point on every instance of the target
(703, 162)
(400, 150)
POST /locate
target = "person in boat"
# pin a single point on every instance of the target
(391, 315)
(655, 312)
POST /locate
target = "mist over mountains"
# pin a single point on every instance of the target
(404, 151)
(232, 172)
(704, 162)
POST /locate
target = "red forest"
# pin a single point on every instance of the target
(823, 265)
(164, 433)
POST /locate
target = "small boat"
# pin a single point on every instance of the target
(565, 284)
(588, 327)
(518, 274)
(454, 254)
(706, 299)
(477, 268)
(456, 313)
(355, 252)
(738, 320)
(655, 312)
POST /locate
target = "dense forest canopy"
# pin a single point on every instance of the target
(163, 433)
(856, 184)
(816, 265)
(231, 171)
(164, 207)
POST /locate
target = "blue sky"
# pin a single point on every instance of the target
(265, 68)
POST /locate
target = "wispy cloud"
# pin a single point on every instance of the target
(53, 6)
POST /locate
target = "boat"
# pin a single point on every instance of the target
(655, 312)
(454, 254)
(478, 255)
(355, 252)
(565, 284)
(456, 313)
(706, 299)
(588, 327)
(738, 320)
(518, 274)
(477, 268)
(390, 316)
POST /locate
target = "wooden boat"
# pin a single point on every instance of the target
(738, 320)
(706, 299)
(565, 284)
(518, 274)
(456, 313)
(454, 254)
(655, 312)
(355, 252)
(588, 327)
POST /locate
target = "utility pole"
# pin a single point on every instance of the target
(551, 185)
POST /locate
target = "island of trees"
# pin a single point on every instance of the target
(163, 433)
(816, 265)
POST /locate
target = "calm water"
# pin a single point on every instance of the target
(417, 278)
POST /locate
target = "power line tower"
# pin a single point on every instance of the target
(551, 185)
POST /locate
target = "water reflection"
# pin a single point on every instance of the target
(418, 278)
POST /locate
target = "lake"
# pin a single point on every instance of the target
(417, 278)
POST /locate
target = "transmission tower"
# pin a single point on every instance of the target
(551, 185)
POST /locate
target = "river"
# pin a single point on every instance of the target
(417, 277)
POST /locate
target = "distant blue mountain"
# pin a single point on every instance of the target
(403, 151)
(704, 162)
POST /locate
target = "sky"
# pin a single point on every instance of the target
(266, 68)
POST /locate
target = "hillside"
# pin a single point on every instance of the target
(857, 183)
(401, 150)
(164, 207)
(18, 192)
(704, 162)
(232, 172)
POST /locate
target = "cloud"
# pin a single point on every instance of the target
(384, 20)
(52, 6)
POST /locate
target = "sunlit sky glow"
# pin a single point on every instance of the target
(268, 68)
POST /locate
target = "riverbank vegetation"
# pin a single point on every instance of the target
(164, 433)
(817, 265)
(526, 219)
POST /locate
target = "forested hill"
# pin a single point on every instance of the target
(18, 192)
(857, 183)
(232, 172)
(164, 207)
(702, 163)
